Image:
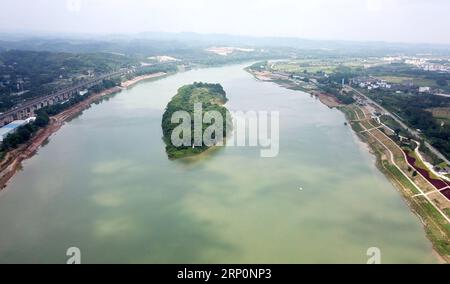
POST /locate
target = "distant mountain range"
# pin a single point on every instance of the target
(158, 42)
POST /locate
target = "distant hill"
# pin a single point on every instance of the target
(156, 43)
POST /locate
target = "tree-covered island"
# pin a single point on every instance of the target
(195, 120)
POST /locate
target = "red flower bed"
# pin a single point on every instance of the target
(446, 193)
(437, 183)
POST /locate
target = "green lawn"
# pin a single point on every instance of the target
(442, 114)
(440, 240)
(300, 68)
(402, 79)
(357, 127)
(391, 123)
(360, 113)
(400, 177)
(349, 113)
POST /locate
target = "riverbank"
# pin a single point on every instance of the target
(132, 82)
(391, 162)
(327, 100)
(429, 205)
(12, 162)
(266, 76)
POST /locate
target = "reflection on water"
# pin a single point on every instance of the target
(104, 184)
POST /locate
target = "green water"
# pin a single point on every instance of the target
(104, 184)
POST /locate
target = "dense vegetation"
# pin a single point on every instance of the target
(212, 97)
(333, 89)
(259, 66)
(156, 68)
(414, 109)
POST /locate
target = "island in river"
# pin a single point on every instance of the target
(207, 99)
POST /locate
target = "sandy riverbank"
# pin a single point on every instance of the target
(328, 100)
(138, 79)
(12, 161)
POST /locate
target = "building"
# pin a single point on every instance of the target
(12, 127)
(424, 89)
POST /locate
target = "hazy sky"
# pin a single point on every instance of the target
(387, 20)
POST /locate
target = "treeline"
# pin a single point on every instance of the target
(259, 66)
(166, 68)
(24, 133)
(214, 88)
(332, 84)
(332, 89)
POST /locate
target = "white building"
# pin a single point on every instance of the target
(424, 89)
(12, 127)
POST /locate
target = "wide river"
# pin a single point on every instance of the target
(104, 184)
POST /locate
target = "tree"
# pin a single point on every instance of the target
(42, 119)
(442, 82)
(24, 134)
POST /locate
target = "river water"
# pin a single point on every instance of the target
(104, 184)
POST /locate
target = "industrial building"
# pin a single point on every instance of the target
(12, 127)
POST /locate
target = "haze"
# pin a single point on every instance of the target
(359, 20)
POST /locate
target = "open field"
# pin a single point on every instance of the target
(400, 177)
(301, 68)
(357, 126)
(389, 121)
(405, 79)
(328, 100)
(441, 113)
(349, 113)
(437, 228)
(328, 66)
